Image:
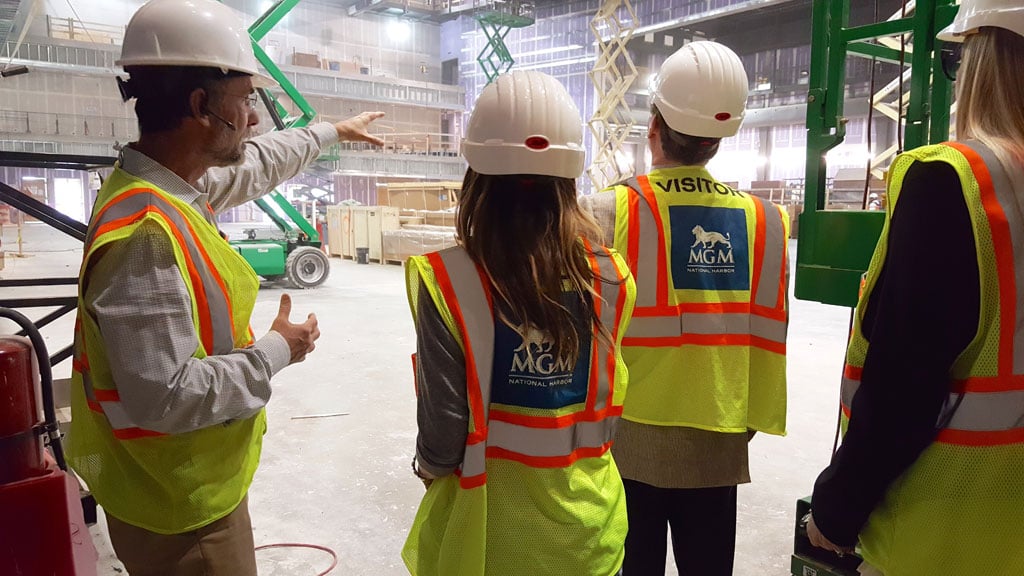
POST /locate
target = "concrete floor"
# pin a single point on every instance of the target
(344, 482)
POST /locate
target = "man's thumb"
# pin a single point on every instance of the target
(285, 309)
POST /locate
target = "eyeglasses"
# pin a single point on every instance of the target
(950, 55)
(251, 99)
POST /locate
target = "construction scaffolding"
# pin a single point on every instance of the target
(497, 21)
(613, 75)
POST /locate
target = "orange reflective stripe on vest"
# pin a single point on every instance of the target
(216, 328)
(537, 441)
(657, 323)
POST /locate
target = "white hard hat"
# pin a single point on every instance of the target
(974, 14)
(525, 123)
(701, 90)
(191, 33)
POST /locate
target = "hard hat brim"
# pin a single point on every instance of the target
(952, 33)
(258, 80)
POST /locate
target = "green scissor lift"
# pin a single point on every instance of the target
(296, 256)
(835, 246)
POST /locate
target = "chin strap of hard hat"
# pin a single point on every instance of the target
(126, 88)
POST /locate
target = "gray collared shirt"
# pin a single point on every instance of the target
(144, 311)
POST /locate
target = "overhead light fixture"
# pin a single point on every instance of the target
(16, 70)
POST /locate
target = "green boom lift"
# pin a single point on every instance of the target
(297, 256)
(835, 246)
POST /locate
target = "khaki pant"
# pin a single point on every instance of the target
(223, 548)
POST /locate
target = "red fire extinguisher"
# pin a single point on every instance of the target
(43, 531)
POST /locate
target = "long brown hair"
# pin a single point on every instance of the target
(524, 232)
(990, 93)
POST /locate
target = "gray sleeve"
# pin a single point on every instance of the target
(442, 405)
(602, 207)
(144, 313)
(270, 159)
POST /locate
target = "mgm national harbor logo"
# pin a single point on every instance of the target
(709, 248)
(531, 373)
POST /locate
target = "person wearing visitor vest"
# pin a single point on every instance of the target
(169, 383)
(706, 348)
(929, 479)
(518, 373)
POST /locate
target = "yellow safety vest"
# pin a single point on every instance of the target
(537, 491)
(707, 344)
(959, 509)
(167, 484)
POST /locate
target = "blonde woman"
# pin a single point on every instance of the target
(519, 379)
(930, 477)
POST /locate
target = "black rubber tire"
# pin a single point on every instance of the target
(307, 267)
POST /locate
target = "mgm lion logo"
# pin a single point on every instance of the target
(532, 336)
(709, 239)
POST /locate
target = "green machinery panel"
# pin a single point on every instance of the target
(835, 247)
(266, 258)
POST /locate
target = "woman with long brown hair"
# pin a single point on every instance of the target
(519, 379)
(930, 477)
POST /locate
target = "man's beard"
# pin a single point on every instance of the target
(225, 153)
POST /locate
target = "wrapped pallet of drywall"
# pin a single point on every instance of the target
(338, 218)
(419, 195)
(416, 241)
(368, 225)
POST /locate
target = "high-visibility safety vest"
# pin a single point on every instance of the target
(537, 491)
(164, 483)
(707, 344)
(959, 509)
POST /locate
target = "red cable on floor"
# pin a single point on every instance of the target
(334, 556)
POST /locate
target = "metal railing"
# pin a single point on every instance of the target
(53, 124)
(371, 164)
(50, 147)
(61, 54)
(412, 143)
(72, 29)
(377, 89)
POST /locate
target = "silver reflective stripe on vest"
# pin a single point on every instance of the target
(550, 442)
(708, 324)
(849, 389)
(647, 256)
(987, 412)
(476, 315)
(609, 315)
(767, 290)
(478, 321)
(220, 317)
(116, 415)
(1004, 192)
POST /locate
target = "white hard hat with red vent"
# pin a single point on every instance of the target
(701, 90)
(975, 14)
(191, 33)
(525, 123)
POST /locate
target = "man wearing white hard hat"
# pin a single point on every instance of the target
(929, 479)
(169, 381)
(519, 378)
(706, 348)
